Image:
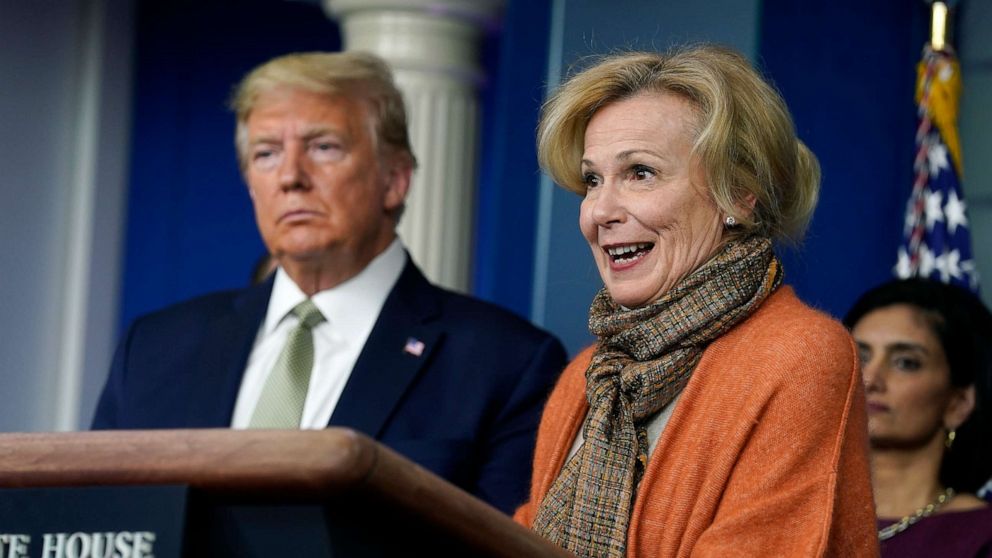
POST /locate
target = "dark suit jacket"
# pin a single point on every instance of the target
(467, 408)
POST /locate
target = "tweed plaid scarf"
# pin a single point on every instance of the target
(644, 358)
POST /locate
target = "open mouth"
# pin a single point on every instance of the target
(622, 254)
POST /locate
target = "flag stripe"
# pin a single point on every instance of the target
(936, 236)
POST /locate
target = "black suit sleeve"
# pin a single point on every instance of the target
(108, 406)
(508, 452)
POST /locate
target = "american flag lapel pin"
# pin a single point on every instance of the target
(414, 346)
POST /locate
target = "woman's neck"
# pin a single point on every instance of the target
(905, 480)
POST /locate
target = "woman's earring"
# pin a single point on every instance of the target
(949, 441)
(730, 221)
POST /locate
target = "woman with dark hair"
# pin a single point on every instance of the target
(926, 353)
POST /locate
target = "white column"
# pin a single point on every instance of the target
(432, 47)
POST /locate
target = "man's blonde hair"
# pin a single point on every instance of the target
(357, 75)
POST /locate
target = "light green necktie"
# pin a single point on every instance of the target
(281, 402)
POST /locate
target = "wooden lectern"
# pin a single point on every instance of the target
(330, 492)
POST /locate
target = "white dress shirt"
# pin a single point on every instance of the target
(350, 309)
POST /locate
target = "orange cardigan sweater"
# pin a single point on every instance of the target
(764, 455)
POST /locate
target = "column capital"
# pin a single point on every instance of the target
(438, 37)
(432, 47)
(482, 12)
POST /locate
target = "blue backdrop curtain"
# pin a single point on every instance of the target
(847, 72)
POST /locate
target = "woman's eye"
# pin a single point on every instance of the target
(641, 172)
(590, 180)
(908, 364)
(864, 355)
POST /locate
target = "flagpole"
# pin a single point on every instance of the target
(936, 231)
(938, 27)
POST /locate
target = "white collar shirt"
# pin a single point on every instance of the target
(350, 309)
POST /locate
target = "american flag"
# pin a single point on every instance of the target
(414, 347)
(936, 237)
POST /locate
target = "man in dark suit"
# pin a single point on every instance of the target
(347, 332)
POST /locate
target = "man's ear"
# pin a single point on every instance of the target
(399, 174)
(959, 408)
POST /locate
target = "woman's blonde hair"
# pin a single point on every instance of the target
(358, 75)
(745, 139)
